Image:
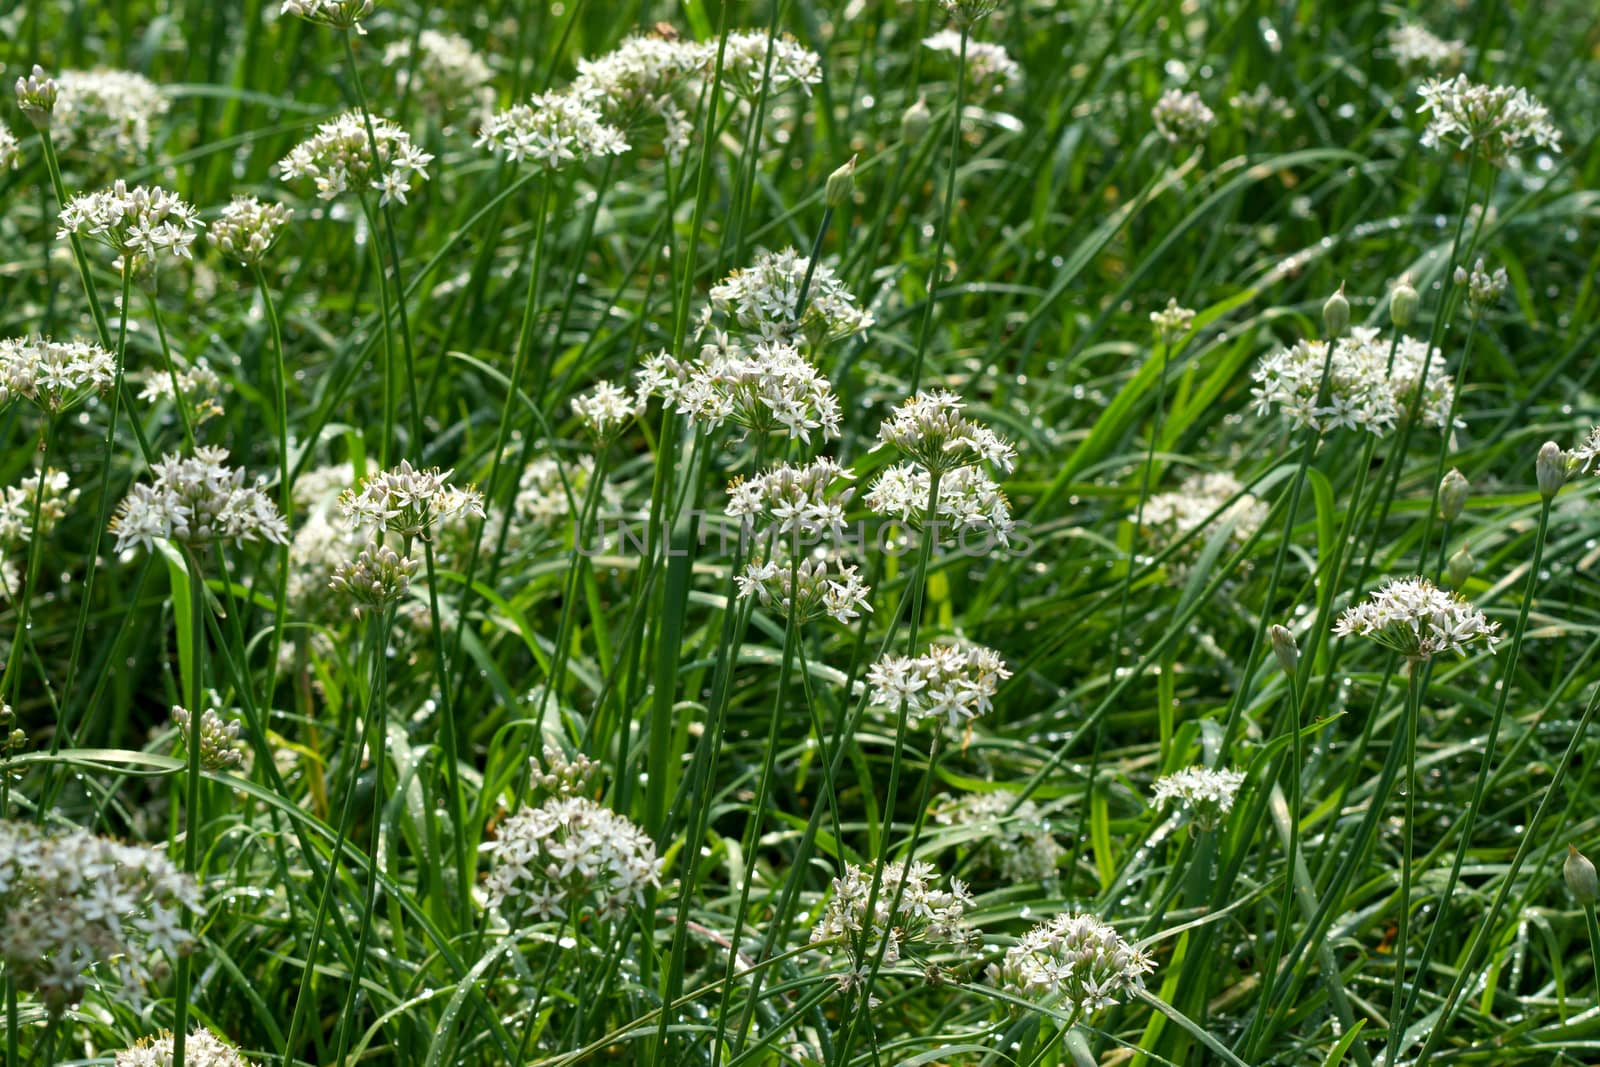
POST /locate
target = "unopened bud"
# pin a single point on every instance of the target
(36, 96)
(1336, 315)
(915, 122)
(1453, 492)
(1551, 468)
(1285, 649)
(1581, 876)
(1403, 303)
(1460, 567)
(841, 185)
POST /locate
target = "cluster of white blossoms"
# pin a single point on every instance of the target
(107, 113)
(1018, 843)
(142, 222)
(763, 298)
(1075, 961)
(931, 429)
(746, 67)
(645, 76)
(10, 148)
(1363, 393)
(607, 409)
(969, 500)
(990, 67)
(814, 585)
(36, 96)
(408, 501)
(377, 577)
(1174, 515)
(794, 500)
(570, 856)
(1484, 288)
(200, 388)
(1182, 117)
(71, 901)
(219, 739)
(201, 1048)
(339, 14)
(449, 75)
(1417, 619)
(339, 159)
(552, 130)
(197, 500)
(1493, 121)
(322, 542)
(247, 228)
(55, 375)
(542, 497)
(1418, 48)
(925, 912)
(562, 775)
(948, 684)
(767, 388)
(1204, 793)
(1586, 456)
(53, 499)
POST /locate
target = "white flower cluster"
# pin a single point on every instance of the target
(377, 577)
(1419, 48)
(607, 409)
(143, 222)
(745, 65)
(552, 131)
(408, 501)
(645, 76)
(107, 113)
(1363, 394)
(542, 497)
(1182, 118)
(70, 901)
(17, 504)
(197, 500)
(948, 684)
(1075, 961)
(1175, 514)
(321, 543)
(969, 500)
(450, 76)
(339, 159)
(795, 500)
(930, 428)
(1172, 321)
(1484, 288)
(55, 375)
(10, 148)
(568, 856)
(201, 1048)
(560, 774)
(768, 388)
(1585, 456)
(1417, 619)
(763, 298)
(990, 67)
(925, 913)
(200, 387)
(818, 584)
(1206, 794)
(1494, 121)
(339, 14)
(219, 739)
(246, 229)
(1018, 844)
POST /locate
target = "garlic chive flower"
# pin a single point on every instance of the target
(969, 500)
(377, 577)
(1583, 458)
(814, 586)
(54, 498)
(561, 775)
(1013, 839)
(338, 14)
(339, 159)
(767, 389)
(552, 130)
(949, 684)
(72, 901)
(200, 388)
(1206, 795)
(542, 498)
(643, 77)
(990, 67)
(569, 857)
(144, 222)
(606, 410)
(1416, 47)
(219, 740)
(762, 299)
(745, 65)
(1417, 619)
(1182, 118)
(1076, 962)
(1260, 109)
(446, 75)
(1484, 289)
(1199, 498)
(1362, 394)
(10, 149)
(197, 500)
(108, 114)
(925, 914)
(1172, 321)
(55, 375)
(931, 429)
(1580, 876)
(967, 12)
(37, 93)
(1495, 122)
(201, 1048)
(246, 229)
(794, 500)
(408, 501)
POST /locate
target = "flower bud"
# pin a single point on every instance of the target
(1453, 495)
(1581, 877)
(1460, 567)
(1336, 315)
(36, 96)
(1551, 468)
(1403, 303)
(841, 185)
(915, 122)
(1285, 649)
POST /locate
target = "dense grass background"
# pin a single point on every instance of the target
(1073, 222)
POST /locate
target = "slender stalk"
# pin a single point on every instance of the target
(1402, 942)
(11, 677)
(191, 804)
(937, 263)
(448, 731)
(172, 371)
(285, 478)
(1594, 941)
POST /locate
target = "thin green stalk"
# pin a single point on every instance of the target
(1594, 941)
(285, 478)
(11, 677)
(937, 263)
(448, 732)
(172, 371)
(191, 804)
(1402, 942)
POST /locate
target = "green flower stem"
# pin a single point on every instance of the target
(172, 371)
(936, 265)
(11, 678)
(1402, 942)
(285, 479)
(191, 804)
(448, 735)
(1594, 941)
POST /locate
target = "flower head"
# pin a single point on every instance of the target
(1363, 392)
(642, 77)
(1206, 794)
(408, 501)
(770, 388)
(1418, 48)
(338, 14)
(53, 374)
(107, 113)
(198, 386)
(746, 65)
(1417, 619)
(52, 499)
(197, 500)
(949, 684)
(1493, 121)
(10, 150)
(201, 1048)
(143, 222)
(377, 577)
(446, 74)
(1076, 961)
(607, 409)
(1199, 500)
(553, 130)
(570, 856)
(931, 429)
(925, 912)
(37, 93)
(763, 298)
(1182, 118)
(806, 589)
(1012, 838)
(990, 67)
(795, 500)
(969, 501)
(247, 229)
(1484, 289)
(219, 740)
(339, 159)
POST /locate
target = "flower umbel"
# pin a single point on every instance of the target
(1075, 961)
(196, 500)
(570, 856)
(408, 501)
(339, 159)
(552, 130)
(1494, 122)
(1417, 619)
(949, 684)
(53, 374)
(925, 913)
(201, 1048)
(246, 229)
(1206, 794)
